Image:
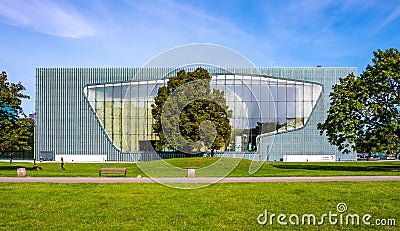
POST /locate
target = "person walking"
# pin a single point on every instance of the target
(11, 158)
(62, 163)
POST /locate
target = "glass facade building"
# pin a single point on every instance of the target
(90, 112)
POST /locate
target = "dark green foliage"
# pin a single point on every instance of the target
(14, 130)
(188, 116)
(365, 112)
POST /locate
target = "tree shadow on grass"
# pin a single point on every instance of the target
(12, 167)
(394, 168)
(15, 167)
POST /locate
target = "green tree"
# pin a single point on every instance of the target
(364, 114)
(15, 128)
(188, 116)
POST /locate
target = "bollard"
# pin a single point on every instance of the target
(191, 173)
(21, 172)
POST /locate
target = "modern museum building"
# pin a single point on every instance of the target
(105, 114)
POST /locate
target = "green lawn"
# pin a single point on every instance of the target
(47, 206)
(51, 169)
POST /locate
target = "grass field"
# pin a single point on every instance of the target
(47, 206)
(229, 206)
(52, 169)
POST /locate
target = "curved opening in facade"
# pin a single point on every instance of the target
(260, 105)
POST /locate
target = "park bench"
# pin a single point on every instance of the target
(112, 171)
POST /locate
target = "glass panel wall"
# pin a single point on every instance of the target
(260, 105)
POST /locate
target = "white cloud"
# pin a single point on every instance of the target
(394, 15)
(184, 17)
(167, 24)
(47, 17)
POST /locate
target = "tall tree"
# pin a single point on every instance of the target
(15, 128)
(181, 111)
(365, 111)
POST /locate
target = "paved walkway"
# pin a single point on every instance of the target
(196, 180)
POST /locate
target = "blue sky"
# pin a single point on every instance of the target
(127, 33)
